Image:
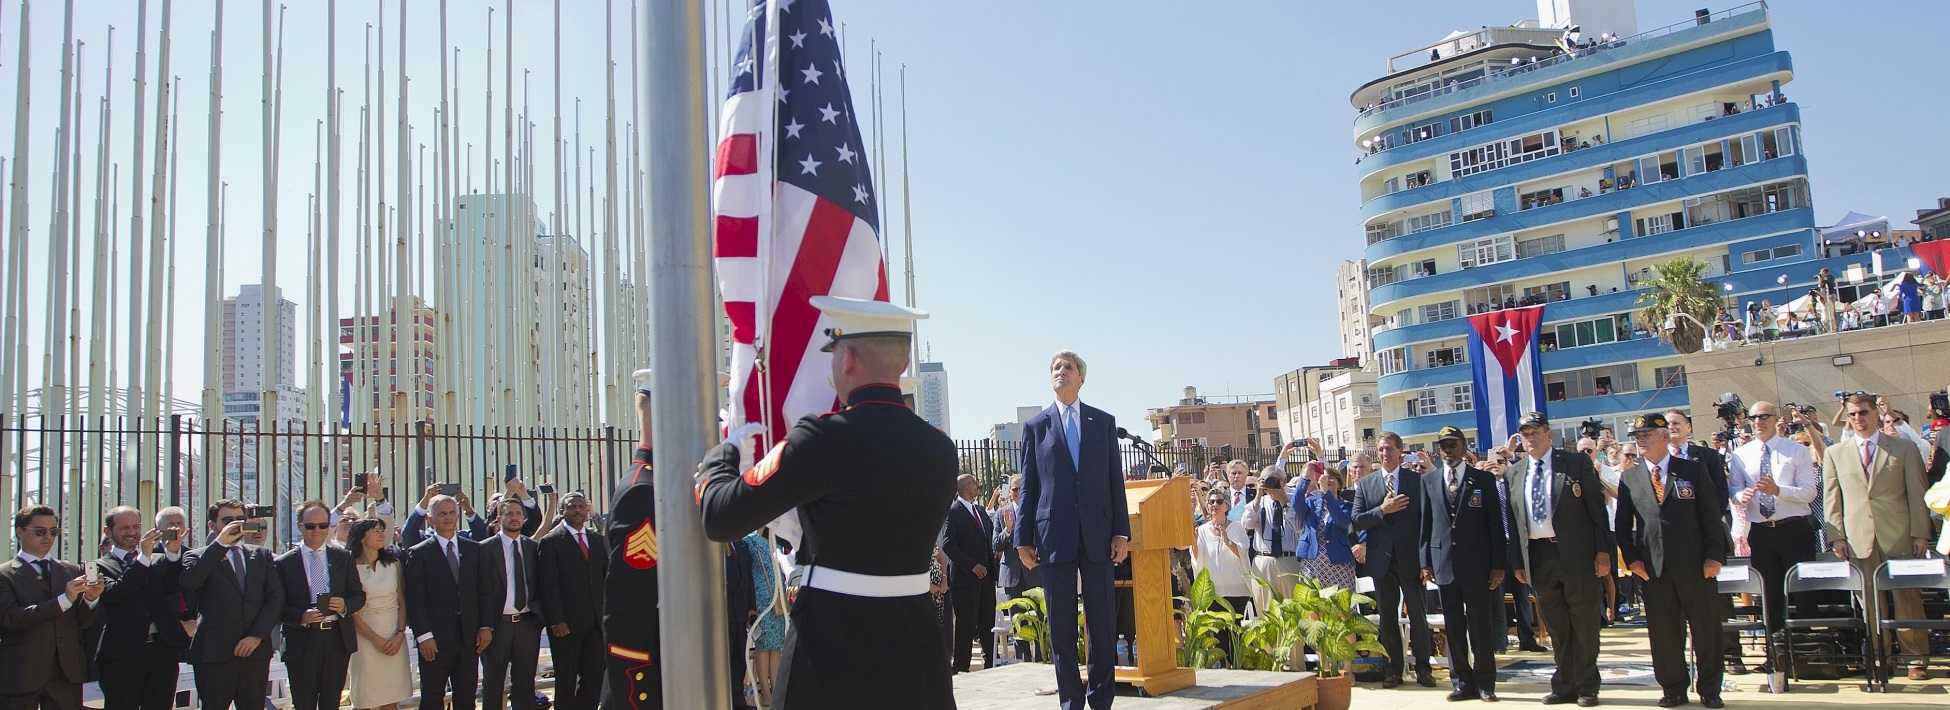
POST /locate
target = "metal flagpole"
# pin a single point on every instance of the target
(615, 384)
(13, 385)
(403, 312)
(213, 246)
(693, 604)
(907, 218)
(268, 375)
(334, 101)
(134, 392)
(444, 362)
(154, 398)
(98, 300)
(54, 387)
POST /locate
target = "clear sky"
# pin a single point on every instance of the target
(1166, 188)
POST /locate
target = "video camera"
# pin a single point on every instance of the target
(1729, 409)
(1591, 428)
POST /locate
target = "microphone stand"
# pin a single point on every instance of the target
(1149, 454)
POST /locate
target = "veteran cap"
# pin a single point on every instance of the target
(1448, 433)
(1531, 419)
(859, 318)
(1647, 422)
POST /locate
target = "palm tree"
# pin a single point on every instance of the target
(1676, 287)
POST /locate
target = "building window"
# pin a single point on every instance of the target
(1469, 120)
(1597, 331)
(1438, 311)
(1481, 205)
(1423, 404)
(1780, 252)
(1443, 357)
(1540, 198)
(1674, 376)
(1591, 382)
(1661, 223)
(1393, 360)
(1540, 246)
(1503, 153)
(1462, 399)
(1488, 298)
(1549, 292)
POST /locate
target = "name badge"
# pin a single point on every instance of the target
(1685, 491)
(1577, 491)
(1476, 499)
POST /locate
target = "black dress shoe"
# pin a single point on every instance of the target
(1534, 647)
(1587, 701)
(1736, 667)
(1425, 680)
(1712, 703)
(1391, 681)
(1672, 701)
(1460, 695)
(1489, 696)
(1556, 699)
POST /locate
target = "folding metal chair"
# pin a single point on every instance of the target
(1841, 621)
(1896, 575)
(1737, 577)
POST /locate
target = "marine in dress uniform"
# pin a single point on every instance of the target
(1562, 546)
(1670, 535)
(871, 484)
(1463, 554)
(630, 625)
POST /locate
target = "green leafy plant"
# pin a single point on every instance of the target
(1029, 621)
(1333, 627)
(1677, 287)
(1272, 639)
(1204, 626)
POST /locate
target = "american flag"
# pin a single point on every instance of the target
(796, 215)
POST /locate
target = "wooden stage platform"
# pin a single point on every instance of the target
(1014, 687)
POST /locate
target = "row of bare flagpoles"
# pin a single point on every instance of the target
(463, 302)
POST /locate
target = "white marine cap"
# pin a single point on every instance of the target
(642, 380)
(856, 318)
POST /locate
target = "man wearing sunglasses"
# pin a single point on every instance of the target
(321, 593)
(239, 597)
(47, 602)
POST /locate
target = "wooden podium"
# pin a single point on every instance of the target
(1161, 519)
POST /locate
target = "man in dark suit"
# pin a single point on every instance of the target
(1562, 545)
(442, 590)
(1669, 535)
(239, 596)
(414, 528)
(1014, 577)
(44, 605)
(1463, 554)
(1715, 464)
(1074, 523)
(971, 575)
(1388, 512)
(573, 562)
(141, 635)
(510, 636)
(318, 635)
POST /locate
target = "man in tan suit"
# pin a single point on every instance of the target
(44, 605)
(1872, 505)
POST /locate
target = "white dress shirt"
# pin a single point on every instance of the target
(511, 546)
(1547, 528)
(1228, 568)
(62, 600)
(1792, 467)
(324, 564)
(1258, 519)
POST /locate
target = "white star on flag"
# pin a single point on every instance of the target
(798, 39)
(827, 114)
(826, 28)
(809, 166)
(1504, 332)
(792, 129)
(812, 74)
(846, 154)
(860, 193)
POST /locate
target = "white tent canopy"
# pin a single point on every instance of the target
(1852, 224)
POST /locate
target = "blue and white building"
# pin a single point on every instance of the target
(1561, 159)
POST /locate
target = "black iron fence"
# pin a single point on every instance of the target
(86, 465)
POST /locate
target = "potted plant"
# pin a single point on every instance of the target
(1029, 620)
(1337, 632)
(1204, 625)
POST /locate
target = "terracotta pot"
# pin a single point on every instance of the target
(1336, 693)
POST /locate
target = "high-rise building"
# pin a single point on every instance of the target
(1357, 336)
(562, 340)
(366, 349)
(1560, 162)
(1336, 403)
(245, 342)
(932, 399)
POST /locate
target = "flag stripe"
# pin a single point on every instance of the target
(737, 155)
(737, 237)
(813, 271)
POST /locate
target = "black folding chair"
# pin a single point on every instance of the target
(1842, 625)
(1934, 577)
(1737, 577)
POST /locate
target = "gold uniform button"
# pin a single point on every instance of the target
(639, 676)
(642, 696)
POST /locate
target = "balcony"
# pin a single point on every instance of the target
(1740, 20)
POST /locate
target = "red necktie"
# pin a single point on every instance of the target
(1658, 486)
(584, 544)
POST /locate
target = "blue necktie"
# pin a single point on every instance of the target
(1539, 492)
(1075, 437)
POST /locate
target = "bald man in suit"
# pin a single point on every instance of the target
(1873, 511)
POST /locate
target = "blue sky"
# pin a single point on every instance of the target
(1166, 188)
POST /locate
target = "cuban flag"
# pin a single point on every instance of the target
(1933, 256)
(1503, 364)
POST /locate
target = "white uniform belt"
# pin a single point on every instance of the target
(866, 585)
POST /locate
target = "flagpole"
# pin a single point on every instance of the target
(54, 388)
(907, 218)
(155, 399)
(13, 389)
(134, 392)
(693, 605)
(213, 246)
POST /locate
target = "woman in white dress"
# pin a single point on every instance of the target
(381, 674)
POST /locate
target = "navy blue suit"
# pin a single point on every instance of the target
(1070, 512)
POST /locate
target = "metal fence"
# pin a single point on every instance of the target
(83, 466)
